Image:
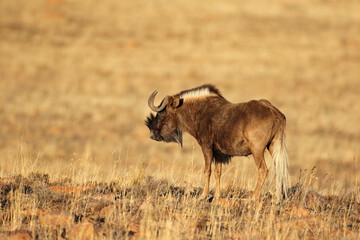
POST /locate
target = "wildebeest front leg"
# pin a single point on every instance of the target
(218, 167)
(208, 155)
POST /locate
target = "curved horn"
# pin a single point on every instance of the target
(164, 102)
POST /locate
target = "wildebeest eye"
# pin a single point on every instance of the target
(162, 113)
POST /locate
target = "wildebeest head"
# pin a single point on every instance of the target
(164, 125)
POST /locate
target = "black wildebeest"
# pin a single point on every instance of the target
(223, 130)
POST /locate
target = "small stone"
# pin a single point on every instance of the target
(82, 231)
(108, 211)
(77, 189)
(296, 211)
(32, 212)
(20, 235)
(134, 227)
(314, 200)
(53, 219)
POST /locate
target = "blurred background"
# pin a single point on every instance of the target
(75, 77)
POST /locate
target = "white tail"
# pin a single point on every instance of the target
(280, 158)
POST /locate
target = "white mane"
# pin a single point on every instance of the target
(197, 93)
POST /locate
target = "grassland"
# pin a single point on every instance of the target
(74, 81)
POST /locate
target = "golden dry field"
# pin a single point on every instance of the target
(76, 160)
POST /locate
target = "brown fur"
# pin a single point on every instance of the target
(222, 129)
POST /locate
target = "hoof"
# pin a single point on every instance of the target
(203, 197)
(206, 198)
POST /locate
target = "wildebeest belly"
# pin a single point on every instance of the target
(238, 148)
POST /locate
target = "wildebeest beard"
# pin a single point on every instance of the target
(175, 136)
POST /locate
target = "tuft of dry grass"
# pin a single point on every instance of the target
(74, 81)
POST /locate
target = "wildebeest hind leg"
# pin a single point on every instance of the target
(262, 173)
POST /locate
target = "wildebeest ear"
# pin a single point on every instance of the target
(174, 103)
(177, 103)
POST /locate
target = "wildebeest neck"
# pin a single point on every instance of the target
(195, 114)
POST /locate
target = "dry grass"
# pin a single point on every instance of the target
(74, 81)
(152, 208)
